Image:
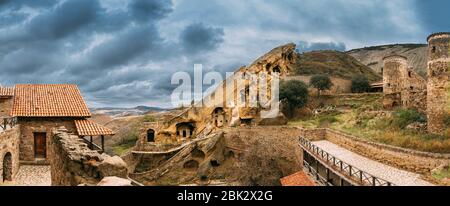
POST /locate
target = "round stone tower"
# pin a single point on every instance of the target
(394, 70)
(438, 87)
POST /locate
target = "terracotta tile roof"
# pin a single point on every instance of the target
(7, 91)
(88, 128)
(297, 179)
(48, 100)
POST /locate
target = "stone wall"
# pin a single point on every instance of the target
(73, 163)
(9, 144)
(5, 106)
(264, 154)
(411, 160)
(401, 85)
(438, 108)
(340, 85)
(29, 126)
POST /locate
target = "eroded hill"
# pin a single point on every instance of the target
(334, 63)
(373, 56)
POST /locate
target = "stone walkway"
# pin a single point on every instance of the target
(33, 175)
(391, 174)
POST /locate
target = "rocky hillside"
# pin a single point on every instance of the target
(337, 64)
(373, 56)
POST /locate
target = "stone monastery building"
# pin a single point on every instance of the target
(30, 112)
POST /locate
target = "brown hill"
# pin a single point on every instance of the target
(373, 56)
(335, 63)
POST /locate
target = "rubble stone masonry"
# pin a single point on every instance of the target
(438, 88)
(30, 126)
(5, 106)
(73, 163)
(9, 145)
(402, 86)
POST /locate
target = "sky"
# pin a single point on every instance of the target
(123, 53)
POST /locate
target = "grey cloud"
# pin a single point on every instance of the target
(144, 10)
(198, 37)
(65, 19)
(304, 46)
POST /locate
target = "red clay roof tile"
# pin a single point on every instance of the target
(88, 128)
(48, 100)
(297, 179)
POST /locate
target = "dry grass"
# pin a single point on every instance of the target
(387, 130)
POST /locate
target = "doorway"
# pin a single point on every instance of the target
(7, 167)
(40, 145)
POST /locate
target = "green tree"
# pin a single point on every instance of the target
(294, 94)
(321, 82)
(360, 84)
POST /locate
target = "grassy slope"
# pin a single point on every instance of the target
(359, 122)
(334, 63)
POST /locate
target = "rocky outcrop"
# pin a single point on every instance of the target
(74, 163)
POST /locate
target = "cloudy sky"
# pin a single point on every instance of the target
(123, 52)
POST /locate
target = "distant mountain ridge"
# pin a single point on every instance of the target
(123, 111)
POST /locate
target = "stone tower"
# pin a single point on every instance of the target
(438, 88)
(394, 71)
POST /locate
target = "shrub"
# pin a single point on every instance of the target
(360, 84)
(321, 82)
(404, 117)
(294, 94)
(148, 118)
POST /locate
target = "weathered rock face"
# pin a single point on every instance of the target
(225, 111)
(240, 156)
(9, 154)
(114, 181)
(73, 163)
(439, 84)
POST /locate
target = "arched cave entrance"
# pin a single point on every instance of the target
(150, 135)
(7, 167)
(277, 69)
(191, 165)
(198, 154)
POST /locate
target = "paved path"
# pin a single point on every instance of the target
(33, 175)
(391, 174)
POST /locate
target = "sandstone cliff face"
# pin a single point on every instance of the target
(248, 156)
(373, 56)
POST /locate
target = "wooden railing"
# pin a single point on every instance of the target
(343, 168)
(7, 123)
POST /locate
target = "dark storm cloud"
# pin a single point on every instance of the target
(64, 20)
(304, 46)
(125, 52)
(198, 37)
(17, 4)
(153, 10)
